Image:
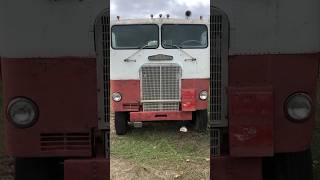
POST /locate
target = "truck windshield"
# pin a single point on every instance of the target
(135, 36)
(185, 36)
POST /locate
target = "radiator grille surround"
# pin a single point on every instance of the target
(160, 87)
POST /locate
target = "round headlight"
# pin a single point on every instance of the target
(116, 97)
(203, 95)
(299, 106)
(23, 112)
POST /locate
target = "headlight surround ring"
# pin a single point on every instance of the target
(298, 107)
(23, 112)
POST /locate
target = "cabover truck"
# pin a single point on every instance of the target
(159, 70)
(54, 87)
(266, 54)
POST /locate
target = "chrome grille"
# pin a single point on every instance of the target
(160, 87)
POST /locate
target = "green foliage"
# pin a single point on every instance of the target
(163, 146)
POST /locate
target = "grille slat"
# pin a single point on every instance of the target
(160, 87)
(65, 141)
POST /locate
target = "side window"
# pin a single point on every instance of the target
(114, 40)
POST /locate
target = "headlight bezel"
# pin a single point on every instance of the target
(286, 107)
(116, 94)
(200, 94)
(34, 108)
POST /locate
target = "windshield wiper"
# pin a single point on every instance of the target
(128, 59)
(178, 47)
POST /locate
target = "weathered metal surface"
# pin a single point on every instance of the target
(251, 121)
(287, 74)
(160, 116)
(130, 91)
(228, 168)
(64, 90)
(272, 26)
(188, 100)
(87, 169)
(198, 85)
(48, 28)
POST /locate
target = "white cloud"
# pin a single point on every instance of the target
(113, 6)
(193, 3)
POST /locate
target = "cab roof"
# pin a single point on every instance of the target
(159, 21)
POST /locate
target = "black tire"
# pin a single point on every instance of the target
(38, 169)
(288, 166)
(121, 122)
(200, 120)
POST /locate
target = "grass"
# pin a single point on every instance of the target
(162, 146)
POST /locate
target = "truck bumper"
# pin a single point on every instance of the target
(232, 168)
(160, 116)
(84, 169)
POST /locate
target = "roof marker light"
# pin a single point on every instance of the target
(188, 14)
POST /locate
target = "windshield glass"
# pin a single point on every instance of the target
(135, 36)
(184, 36)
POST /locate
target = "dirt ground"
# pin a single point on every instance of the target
(6, 168)
(123, 168)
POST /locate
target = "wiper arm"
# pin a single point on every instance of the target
(178, 47)
(128, 59)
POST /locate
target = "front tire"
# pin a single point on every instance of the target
(121, 122)
(200, 120)
(289, 166)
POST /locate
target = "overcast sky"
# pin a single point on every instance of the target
(129, 9)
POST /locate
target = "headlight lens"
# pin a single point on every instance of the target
(116, 97)
(299, 106)
(203, 95)
(23, 112)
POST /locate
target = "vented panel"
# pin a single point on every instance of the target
(215, 142)
(218, 69)
(102, 34)
(65, 141)
(219, 39)
(102, 46)
(131, 106)
(160, 87)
